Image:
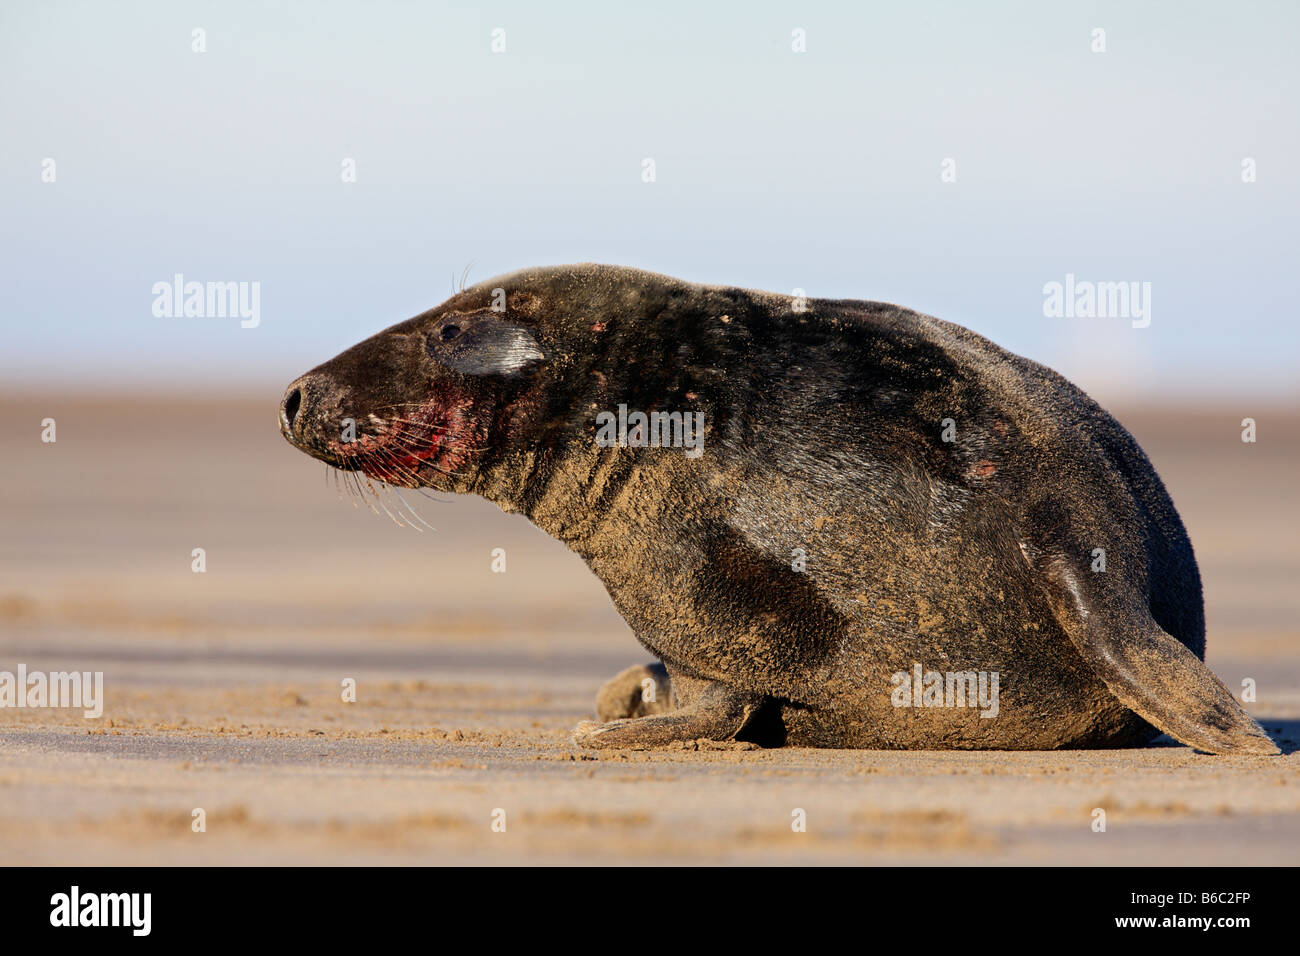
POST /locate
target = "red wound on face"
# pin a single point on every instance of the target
(441, 434)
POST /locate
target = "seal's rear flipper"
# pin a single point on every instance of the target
(1157, 677)
(1149, 671)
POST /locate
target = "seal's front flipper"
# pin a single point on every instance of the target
(636, 692)
(1149, 671)
(718, 713)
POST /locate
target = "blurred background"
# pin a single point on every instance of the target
(774, 169)
(821, 170)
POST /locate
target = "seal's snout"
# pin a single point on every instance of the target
(289, 409)
(297, 409)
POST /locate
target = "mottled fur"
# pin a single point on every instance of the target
(825, 433)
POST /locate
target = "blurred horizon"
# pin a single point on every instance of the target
(821, 170)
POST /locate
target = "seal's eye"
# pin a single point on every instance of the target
(449, 332)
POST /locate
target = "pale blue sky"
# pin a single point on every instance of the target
(774, 169)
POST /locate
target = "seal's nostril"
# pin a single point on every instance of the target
(289, 411)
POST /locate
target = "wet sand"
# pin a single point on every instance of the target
(223, 689)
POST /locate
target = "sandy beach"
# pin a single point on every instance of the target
(223, 688)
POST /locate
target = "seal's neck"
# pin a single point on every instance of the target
(568, 489)
(564, 477)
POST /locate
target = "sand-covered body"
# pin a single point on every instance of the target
(878, 492)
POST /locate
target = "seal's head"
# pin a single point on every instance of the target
(421, 403)
(494, 392)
